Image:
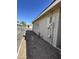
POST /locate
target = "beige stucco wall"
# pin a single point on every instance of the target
(56, 20)
(44, 24)
(35, 27)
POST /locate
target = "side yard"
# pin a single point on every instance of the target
(40, 49)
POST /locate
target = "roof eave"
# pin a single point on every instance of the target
(51, 6)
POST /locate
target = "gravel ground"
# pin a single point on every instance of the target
(37, 48)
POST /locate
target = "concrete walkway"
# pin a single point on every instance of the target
(22, 50)
(37, 48)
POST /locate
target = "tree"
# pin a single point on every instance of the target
(23, 23)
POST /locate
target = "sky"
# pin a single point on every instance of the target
(28, 10)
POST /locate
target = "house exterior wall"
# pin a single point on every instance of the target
(59, 32)
(55, 29)
(48, 31)
(36, 27)
(43, 27)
